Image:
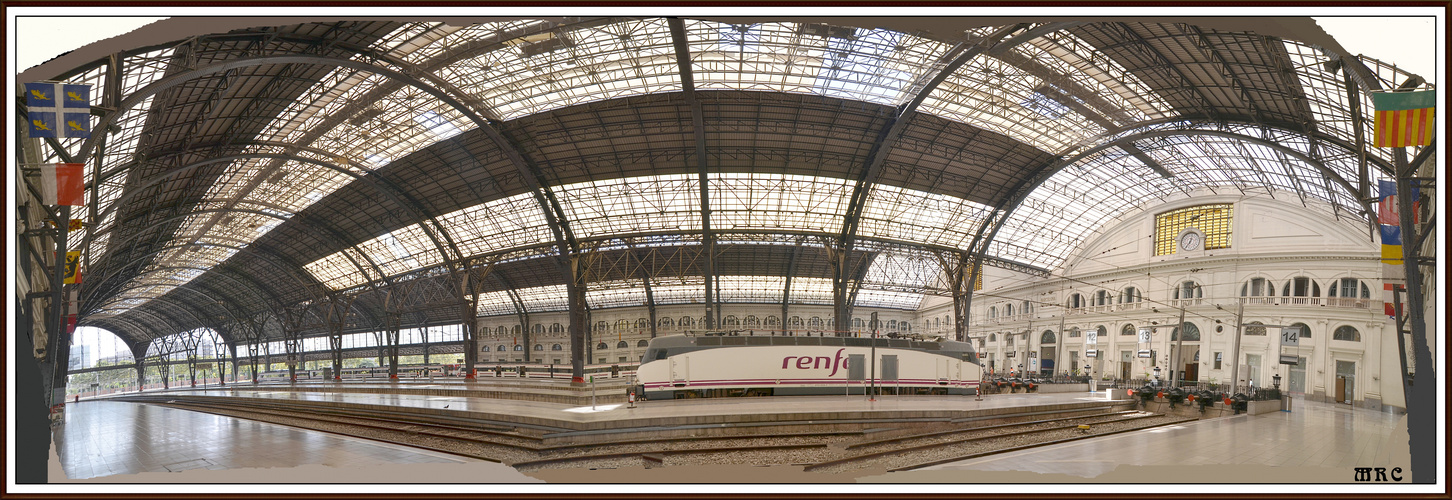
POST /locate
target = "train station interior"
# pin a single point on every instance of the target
(293, 244)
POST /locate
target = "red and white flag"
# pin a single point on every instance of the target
(63, 184)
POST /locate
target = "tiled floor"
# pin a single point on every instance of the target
(102, 438)
(1312, 435)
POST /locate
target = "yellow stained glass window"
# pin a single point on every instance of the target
(1212, 220)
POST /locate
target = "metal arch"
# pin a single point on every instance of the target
(698, 129)
(979, 248)
(212, 325)
(1190, 120)
(249, 283)
(392, 191)
(1163, 64)
(1213, 54)
(291, 268)
(842, 303)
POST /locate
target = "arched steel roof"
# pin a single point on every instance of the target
(275, 167)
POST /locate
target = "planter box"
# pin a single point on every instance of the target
(1056, 388)
(1259, 407)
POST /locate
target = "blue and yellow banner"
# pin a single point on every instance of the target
(60, 110)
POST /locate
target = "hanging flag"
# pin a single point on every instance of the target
(1391, 245)
(76, 225)
(73, 306)
(63, 184)
(58, 109)
(1386, 203)
(73, 267)
(1404, 118)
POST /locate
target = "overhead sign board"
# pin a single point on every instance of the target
(1145, 353)
(1144, 336)
(1091, 337)
(1290, 336)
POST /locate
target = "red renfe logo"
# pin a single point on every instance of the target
(816, 363)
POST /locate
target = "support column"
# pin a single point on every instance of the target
(392, 333)
(579, 321)
(252, 355)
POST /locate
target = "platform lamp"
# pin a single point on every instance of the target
(1157, 375)
(1276, 381)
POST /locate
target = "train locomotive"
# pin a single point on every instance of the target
(736, 364)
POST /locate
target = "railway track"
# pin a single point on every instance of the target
(899, 445)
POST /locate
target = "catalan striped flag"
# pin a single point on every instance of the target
(1404, 118)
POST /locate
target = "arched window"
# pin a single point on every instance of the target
(1025, 307)
(1103, 298)
(1192, 333)
(993, 312)
(1103, 332)
(892, 325)
(601, 346)
(795, 323)
(486, 348)
(1008, 337)
(1347, 333)
(1130, 295)
(815, 323)
(858, 323)
(1301, 287)
(641, 343)
(1258, 287)
(515, 330)
(539, 347)
(687, 322)
(666, 323)
(1008, 310)
(1076, 301)
(557, 347)
(1073, 333)
(1305, 330)
(601, 326)
(538, 328)
(501, 330)
(751, 321)
(642, 324)
(1189, 290)
(1255, 328)
(1047, 337)
(732, 321)
(501, 348)
(622, 325)
(1127, 330)
(992, 337)
(1345, 292)
(937, 323)
(773, 321)
(622, 345)
(557, 328)
(518, 347)
(905, 326)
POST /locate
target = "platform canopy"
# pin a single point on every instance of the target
(248, 176)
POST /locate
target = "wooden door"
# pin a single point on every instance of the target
(1192, 372)
(1340, 389)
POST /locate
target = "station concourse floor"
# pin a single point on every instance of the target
(102, 438)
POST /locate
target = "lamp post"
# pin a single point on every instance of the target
(1276, 381)
(1157, 376)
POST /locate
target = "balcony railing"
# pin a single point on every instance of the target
(1343, 302)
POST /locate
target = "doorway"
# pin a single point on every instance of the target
(1297, 383)
(1345, 381)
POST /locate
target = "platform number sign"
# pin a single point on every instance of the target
(1091, 337)
(1144, 335)
(1291, 336)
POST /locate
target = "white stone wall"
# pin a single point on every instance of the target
(1275, 239)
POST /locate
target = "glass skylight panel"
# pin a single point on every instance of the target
(409, 37)
(437, 125)
(451, 39)
(670, 203)
(512, 222)
(544, 298)
(871, 65)
(496, 303)
(888, 299)
(903, 270)
(811, 291)
(400, 251)
(898, 214)
(752, 289)
(775, 202)
(337, 271)
(989, 93)
(1114, 83)
(615, 293)
(561, 68)
(678, 290)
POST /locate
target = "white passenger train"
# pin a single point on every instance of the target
(735, 364)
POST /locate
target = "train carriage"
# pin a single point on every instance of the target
(731, 364)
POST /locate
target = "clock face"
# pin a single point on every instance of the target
(1190, 241)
